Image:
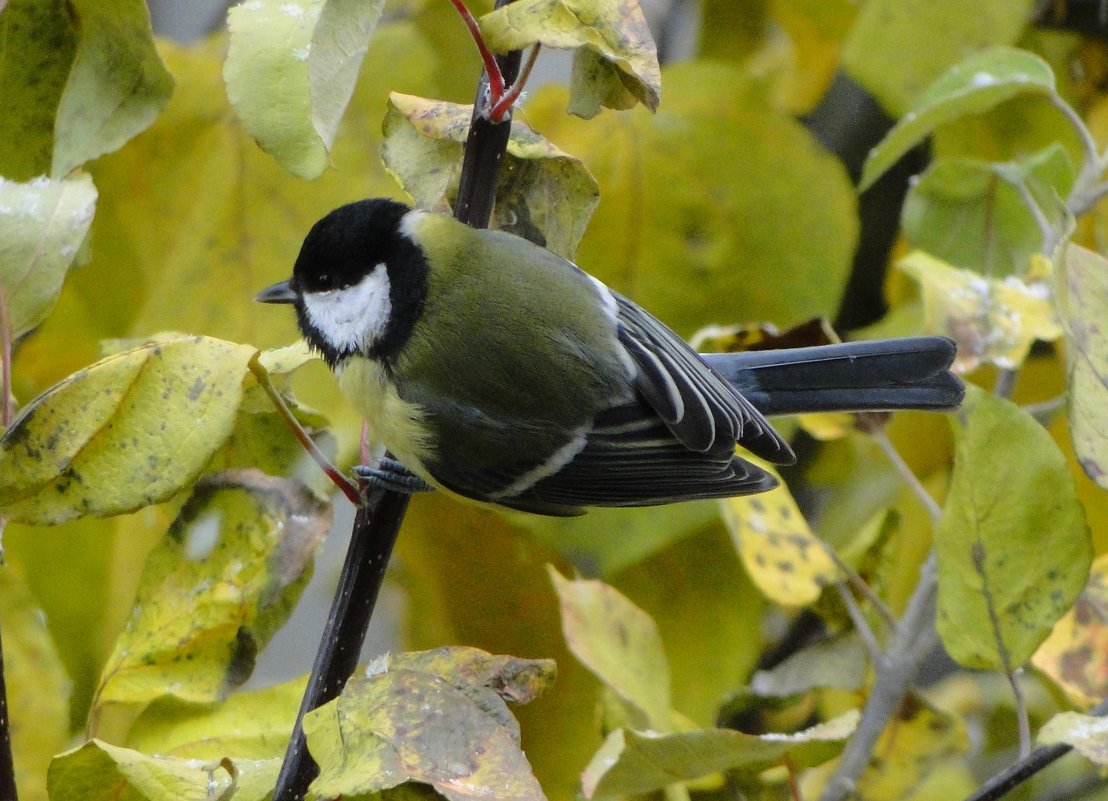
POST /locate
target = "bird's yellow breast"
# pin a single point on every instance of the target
(392, 420)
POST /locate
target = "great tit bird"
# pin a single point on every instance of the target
(503, 373)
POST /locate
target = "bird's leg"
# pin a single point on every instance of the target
(390, 474)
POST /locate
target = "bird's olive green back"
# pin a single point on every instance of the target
(514, 350)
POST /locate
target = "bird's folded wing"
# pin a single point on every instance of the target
(698, 406)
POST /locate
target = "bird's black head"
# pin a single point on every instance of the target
(358, 284)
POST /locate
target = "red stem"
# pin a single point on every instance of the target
(337, 478)
(5, 363)
(496, 80)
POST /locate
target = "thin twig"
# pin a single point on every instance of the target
(1081, 203)
(893, 455)
(1043, 410)
(348, 488)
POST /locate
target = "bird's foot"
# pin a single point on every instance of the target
(389, 474)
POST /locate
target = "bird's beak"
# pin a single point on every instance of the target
(278, 293)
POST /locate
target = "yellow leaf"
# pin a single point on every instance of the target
(544, 194)
(615, 31)
(919, 739)
(1075, 655)
(42, 227)
(403, 724)
(992, 321)
(290, 71)
(1087, 734)
(213, 592)
(786, 561)
(129, 431)
(37, 687)
(619, 643)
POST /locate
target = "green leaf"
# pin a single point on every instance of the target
(249, 725)
(83, 575)
(544, 194)
(839, 662)
(596, 83)
(895, 50)
(290, 72)
(972, 213)
(216, 589)
(703, 201)
(979, 83)
(117, 84)
(406, 725)
(992, 321)
(707, 611)
(43, 225)
(1012, 545)
(36, 684)
(616, 32)
(607, 541)
(1082, 290)
(619, 643)
(129, 431)
(1087, 734)
(98, 771)
(32, 79)
(633, 763)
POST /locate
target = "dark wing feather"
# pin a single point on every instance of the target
(631, 458)
(701, 409)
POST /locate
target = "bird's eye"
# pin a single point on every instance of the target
(324, 279)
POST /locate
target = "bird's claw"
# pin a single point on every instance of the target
(389, 474)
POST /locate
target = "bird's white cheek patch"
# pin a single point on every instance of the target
(353, 317)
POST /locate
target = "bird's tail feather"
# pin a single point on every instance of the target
(910, 373)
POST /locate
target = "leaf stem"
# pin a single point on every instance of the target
(863, 589)
(505, 103)
(1021, 713)
(5, 363)
(861, 625)
(345, 485)
(1093, 166)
